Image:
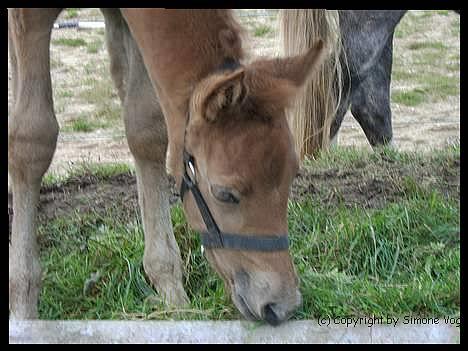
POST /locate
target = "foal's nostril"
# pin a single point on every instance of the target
(270, 315)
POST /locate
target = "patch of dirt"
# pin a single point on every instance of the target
(365, 184)
(88, 194)
(372, 185)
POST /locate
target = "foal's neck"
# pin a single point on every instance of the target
(221, 38)
(181, 47)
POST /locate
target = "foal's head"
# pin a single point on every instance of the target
(245, 162)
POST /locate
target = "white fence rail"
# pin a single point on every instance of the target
(231, 332)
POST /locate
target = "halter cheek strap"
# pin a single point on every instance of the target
(188, 184)
(213, 238)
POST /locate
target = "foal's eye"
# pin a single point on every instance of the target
(224, 194)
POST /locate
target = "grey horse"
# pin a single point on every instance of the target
(367, 38)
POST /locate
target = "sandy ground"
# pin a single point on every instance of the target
(429, 125)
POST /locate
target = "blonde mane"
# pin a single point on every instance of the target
(312, 113)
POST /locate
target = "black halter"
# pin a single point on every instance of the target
(213, 237)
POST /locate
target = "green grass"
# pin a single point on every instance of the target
(71, 13)
(262, 30)
(82, 169)
(69, 42)
(62, 93)
(455, 27)
(441, 86)
(104, 117)
(94, 46)
(412, 97)
(454, 63)
(433, 87)
(59, 106)
(427, 45)
(55, 62)
(352, 157)
(113, 246)
(99, 91)
(401, 74)
(109, 111)
(429, 58)
(428, 66)
(400, 259)
(406, 27)
(82, 124)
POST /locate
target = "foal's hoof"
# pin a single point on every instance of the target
(171, 292)
(177, 298)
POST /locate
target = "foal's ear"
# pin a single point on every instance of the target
(297, 69)
(220, 92)
(274, 82)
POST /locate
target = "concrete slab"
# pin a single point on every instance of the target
(230, 332)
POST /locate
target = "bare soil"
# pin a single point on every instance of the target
(374, 184)
(367, 184)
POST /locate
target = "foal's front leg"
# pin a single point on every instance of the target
(162, 261)
(32, 136)
(147, 139)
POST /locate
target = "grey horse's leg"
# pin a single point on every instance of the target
(147, 139)
(367, 43)
(370, 101)
(32, 137)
